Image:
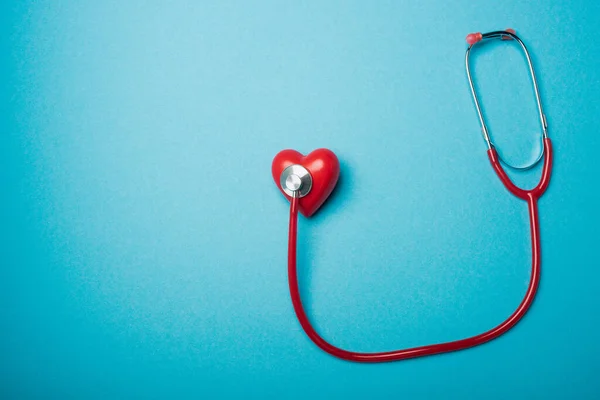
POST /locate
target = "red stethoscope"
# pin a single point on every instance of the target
(307, 181)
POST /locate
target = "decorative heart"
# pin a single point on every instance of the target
(324, 169)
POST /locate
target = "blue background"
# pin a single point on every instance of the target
(143, 241)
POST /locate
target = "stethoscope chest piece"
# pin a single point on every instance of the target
(296, 179)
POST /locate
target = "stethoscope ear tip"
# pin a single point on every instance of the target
(511, 31)
(473, 38)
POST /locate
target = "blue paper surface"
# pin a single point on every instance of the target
(143, 241)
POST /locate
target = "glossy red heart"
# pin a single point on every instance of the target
(324, 168)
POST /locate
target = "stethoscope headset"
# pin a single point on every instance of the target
(308, 180)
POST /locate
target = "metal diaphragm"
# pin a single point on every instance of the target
(296, 178)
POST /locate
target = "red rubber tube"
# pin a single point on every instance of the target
(531, 196)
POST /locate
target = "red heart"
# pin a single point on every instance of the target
(324, 169)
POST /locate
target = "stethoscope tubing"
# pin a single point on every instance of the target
(530, 196)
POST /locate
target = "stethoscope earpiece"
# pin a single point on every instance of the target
(508, 34)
